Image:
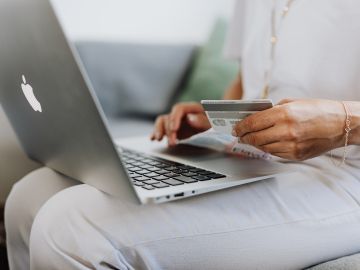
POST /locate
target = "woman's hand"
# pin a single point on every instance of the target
(185, 120)
(295, 129)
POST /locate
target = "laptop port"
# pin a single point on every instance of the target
(179, 195)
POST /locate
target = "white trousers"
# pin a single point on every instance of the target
(291, 222)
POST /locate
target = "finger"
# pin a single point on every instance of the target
(180, 110)
(258, 121)
(286, 100)
(273, 134)
(288, 150)
(170, 134)
(159, 130)
(198, 121)
(287, 156)
(278, 148)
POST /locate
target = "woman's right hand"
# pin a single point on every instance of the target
(184, 121)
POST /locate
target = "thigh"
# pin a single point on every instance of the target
(290, 222)
(25, 200)
(30, 194)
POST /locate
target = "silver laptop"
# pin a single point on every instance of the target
(50, 103)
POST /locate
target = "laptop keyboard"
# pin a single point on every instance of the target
(149, 172)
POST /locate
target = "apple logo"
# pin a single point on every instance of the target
(29, 94)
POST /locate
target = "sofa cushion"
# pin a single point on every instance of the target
(212, 74)
(135, 78)
(129, 126)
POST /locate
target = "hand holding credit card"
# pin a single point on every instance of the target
(223, 115)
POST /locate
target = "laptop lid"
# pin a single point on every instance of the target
(49, 101)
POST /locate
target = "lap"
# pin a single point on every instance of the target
(290, 222)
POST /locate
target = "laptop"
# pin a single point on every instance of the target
(50, 103)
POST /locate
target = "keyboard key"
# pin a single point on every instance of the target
(161, 185)
(143, 172)
(170, 168)
(160, 171)
(154, 163)
(134, 169)
(184, 167)
(153, 169)
(133, 175)
(151, 175)
(138, 184)
(205, 172)
(138, 164)
(202, 178)
(180, 171)
(161, 166)
(161, 178)
(172, 175)
(146, 166)
(189, 174)
(151, 182)
(173, 182)
(216, 176)
(148, 187)
(142, 178)
(185, 179)
(195, 170)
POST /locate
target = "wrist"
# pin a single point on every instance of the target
(354, 136)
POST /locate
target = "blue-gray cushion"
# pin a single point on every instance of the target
(135, 78)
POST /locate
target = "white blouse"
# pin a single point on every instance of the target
(317, 54)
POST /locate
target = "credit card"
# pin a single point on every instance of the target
(225, 114)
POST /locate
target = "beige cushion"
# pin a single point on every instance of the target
(14, 164)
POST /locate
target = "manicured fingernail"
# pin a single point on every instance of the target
(171, 143)
(233, 133)
(192, 118)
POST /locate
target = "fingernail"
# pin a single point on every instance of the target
(192, 118)
(170, 143)
(233, 133)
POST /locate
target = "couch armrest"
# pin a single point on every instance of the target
(14, 163)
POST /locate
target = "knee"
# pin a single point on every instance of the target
(21, 208)
(27, 197)
(66, 233)
(60, 236)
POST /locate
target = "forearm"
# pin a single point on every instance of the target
(235, 91)
(354, 108)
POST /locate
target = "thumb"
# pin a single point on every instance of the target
(198, 121)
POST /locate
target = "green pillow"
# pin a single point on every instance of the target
(212, 74)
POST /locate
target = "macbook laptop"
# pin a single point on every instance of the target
(51, 105)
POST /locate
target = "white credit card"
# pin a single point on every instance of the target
(225, 114)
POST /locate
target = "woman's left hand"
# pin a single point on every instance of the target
(295, 129)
